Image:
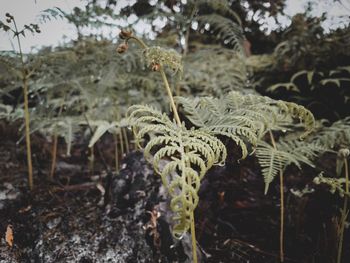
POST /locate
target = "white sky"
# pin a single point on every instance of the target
(53, 32)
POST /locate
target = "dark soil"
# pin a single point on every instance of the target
(68, 220)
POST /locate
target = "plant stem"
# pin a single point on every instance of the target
(26, 110)
(27, 130)
(282, 204)
(121, 143)
(92, 160)
(116, 153)
(344, 213)
(125, 135)
(282, 218)
(139, 41)
(54, 147)
(171, 98)
(54, 155)
(187, 34)
(193, 238)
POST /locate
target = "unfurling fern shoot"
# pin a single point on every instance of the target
(187, 154)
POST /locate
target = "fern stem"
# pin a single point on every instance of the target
(188, 30)
(92, 160)
(54, 146)
(26, 110)
(193, 238)
(116, 153)
(282, 204)
(282, 218)
(54, 156)
(344, 213)
(192, 226)
(121, 143)
(125, 135)
(27, 130)
(171, 98)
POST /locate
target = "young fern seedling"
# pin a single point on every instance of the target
(25, 74)
(187, 154)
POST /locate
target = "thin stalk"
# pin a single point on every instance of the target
(126, 141)
(54, 156)
(282, 218)
(116, 153)
(185, 48)
(344, 213)
(282, 204)
(54, 147)
(26, 111)
(139, 41)
(171, 98)
(121, 143)
(193, 238)
(192, 225)
(187, 34)
(92, 160)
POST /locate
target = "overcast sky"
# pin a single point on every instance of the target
(53, 32)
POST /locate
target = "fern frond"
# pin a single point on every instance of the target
(274, 160)
(243, 118)
(336, 135)
(65, 127)
(336, 184)
(101, 127)
(180, 156)
(225, 29)
(215, 71)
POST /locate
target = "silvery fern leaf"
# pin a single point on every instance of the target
(274, 160)
(243, 118)
(101, 127)
(180, 156)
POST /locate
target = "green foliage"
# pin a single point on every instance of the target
(214, 71)
(325, 92)
(334, 136)
(224, 29)
(336, 184)
(85, 85)
(181, 156)
(274, 160)
(243, 118)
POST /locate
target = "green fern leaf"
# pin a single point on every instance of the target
(180, 156)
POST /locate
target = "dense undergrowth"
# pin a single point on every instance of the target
(86, 89)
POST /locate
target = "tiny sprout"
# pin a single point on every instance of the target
(8, 15)
(8, 20)
(122, 48)
(124, 34)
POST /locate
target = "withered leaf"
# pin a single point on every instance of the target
(9, 235)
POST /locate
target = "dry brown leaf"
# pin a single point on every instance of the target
(9, 235)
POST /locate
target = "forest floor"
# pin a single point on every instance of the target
(69, 219)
